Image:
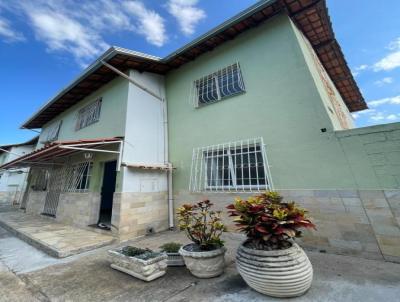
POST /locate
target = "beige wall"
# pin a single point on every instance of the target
(135, 213)
(364, 223)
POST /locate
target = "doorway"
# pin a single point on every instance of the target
(107, 194)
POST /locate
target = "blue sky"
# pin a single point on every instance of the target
(45, 44)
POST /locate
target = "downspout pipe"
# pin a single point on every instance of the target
(169, 171)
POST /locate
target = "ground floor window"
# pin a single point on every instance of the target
(234, 166)
(77, 177)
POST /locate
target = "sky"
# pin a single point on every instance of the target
(45, 44)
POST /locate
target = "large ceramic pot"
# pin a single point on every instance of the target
(279, 273)
(204, 264)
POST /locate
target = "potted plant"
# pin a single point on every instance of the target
(143, 264)
(172, 251)
(204, 257)
(269, 260)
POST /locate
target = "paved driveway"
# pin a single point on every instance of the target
(88, 277)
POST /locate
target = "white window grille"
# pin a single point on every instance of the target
(77, 177)
(51, 133)
(89, 114)
(221, 84)
(40, 179)
(240, 166)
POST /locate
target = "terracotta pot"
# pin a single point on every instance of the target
(205, 264)
(279, 273)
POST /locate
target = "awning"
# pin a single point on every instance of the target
(54, 151)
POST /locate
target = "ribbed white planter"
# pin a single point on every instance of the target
(204, 264)
(279, 273)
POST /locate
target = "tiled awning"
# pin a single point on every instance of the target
(60, 149)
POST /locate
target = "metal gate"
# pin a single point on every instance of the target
(54, 190)
(25, 197)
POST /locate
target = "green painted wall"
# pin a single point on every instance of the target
(374, 155)
(282, 104)
(112, 116)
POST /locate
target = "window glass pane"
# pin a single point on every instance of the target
(217, 168)
(229, 81)
(88, 115)
(207, 90)
(222, 83)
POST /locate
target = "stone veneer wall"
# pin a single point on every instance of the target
(363, 223)
(35, 202)
(135, 213)
(80, 209)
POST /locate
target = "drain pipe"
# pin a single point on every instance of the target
(169, 171)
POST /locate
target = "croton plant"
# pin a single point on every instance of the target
(268, 222)
(202, 225)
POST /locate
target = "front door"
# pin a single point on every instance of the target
(107, 193)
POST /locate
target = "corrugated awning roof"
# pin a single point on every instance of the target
(56, 150)
(311, 17)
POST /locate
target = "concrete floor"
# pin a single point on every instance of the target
(57, 239)
(88, 277)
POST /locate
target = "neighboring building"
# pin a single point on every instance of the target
(13, 181)
(268, 108)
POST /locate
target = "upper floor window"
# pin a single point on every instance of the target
(221, 84)
(88, 115)
(231, 167)
(50, 134)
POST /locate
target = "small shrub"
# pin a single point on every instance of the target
(202, 225)
(171, 247)
(268, 222)
(144, 254)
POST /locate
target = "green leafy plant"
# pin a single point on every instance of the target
(202, 225)
(144, 254)
(268, 222)
(171, 247)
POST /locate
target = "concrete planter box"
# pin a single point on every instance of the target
(280, 273)
(146, 270)
(175, 259)
(206, 264)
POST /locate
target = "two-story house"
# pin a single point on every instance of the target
(262, 101)
(13, 181)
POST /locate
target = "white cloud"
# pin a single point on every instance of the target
(80, 27)
(384, 81)
(150, 24)
(8, 33)
(359, 114)
(62, 33)
(395, 100)
(357, 70)
(186, 13)
(382, 116)
(391, 60)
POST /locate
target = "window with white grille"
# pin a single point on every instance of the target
(77, 177)
(88, 115)
(239, 166)
(221, 84)
(50, 134)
